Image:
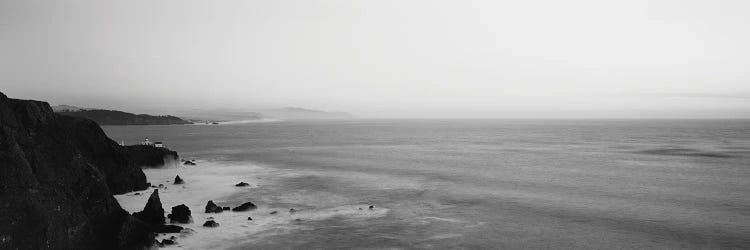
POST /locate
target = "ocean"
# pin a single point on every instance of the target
(461, 184)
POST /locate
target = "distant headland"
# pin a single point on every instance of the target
(115, 117)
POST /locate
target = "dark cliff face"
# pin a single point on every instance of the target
(57, 177)
(148, 156)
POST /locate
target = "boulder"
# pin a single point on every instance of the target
(211, 207)
(244, 207)
(372, 207)
(153, 213)
(178, 180)
(291, 210)
(210, 223)
(249, 218)
(180, 214)
(242, 184)
(167, 242)
(189, 163)
(274, 212)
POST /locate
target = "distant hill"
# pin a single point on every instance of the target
(295, 113)
(114, 117)
(63, 107)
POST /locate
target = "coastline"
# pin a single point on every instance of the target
(216, 181)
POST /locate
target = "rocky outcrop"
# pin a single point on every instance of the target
(178, 180)
(211, 207)
(244, 207)
(153, 212)
(210, 223)
(148, 156)
(180, 214)
(57, 177)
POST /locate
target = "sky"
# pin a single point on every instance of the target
(385, 59)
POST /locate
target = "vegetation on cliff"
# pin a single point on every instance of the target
(114, 117)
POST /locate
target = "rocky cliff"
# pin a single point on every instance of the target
(57, 178)
(148, 156)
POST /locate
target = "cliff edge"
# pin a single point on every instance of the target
(57, 178)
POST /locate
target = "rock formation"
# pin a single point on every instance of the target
(178, 180)
(153, 212)
(180, 214)
(148, 156)
(211, 207)
(244, 207)
(57, 178)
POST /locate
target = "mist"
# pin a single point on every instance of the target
(384, 59)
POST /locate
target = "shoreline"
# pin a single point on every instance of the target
(216, 181)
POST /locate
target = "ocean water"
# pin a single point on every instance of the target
(463, 184)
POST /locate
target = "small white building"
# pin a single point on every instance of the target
(158, 144)
(146, 142)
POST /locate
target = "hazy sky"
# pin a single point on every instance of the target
(440, 59)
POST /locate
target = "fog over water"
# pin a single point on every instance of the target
(402, 59)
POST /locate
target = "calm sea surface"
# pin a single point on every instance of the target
(478, 184)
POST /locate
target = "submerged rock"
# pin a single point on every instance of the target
(180, 214)
(291, 210)
(178, 180)
(153, 213)
(274, 212)
(242, 184)
(189, 163)
(244, 207)
(211, 207)
(210, 223)
(167, 242)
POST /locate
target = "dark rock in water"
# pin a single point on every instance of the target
(249, 218)
(372, 207)
(274, 212)
(189, 163)
(242, 184)
(57, 177)
(226, 208)
(154, 186)
(167, 242)
(161, 185)
(291, 210)
(180, 214)
(137, 194)
(298, 219)
(244, 207)
(178, 180)
(152, 213)
(210, 223)
(168, 229)
(211, 207)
